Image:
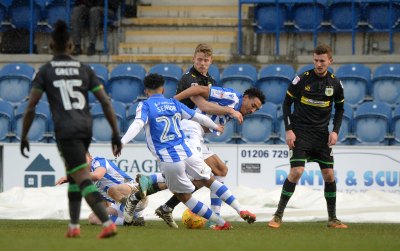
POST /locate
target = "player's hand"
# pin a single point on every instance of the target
(62, 180)
(237, 115)
(290, 139)
(220, 128)
(24, 145)
(116, 145)
(332, 139)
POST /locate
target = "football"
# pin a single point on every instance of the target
(192, 221)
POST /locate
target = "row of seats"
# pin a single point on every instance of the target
(45, 13)
(340, 15)
(372, 123)
(125, 81)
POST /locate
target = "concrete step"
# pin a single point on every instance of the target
(192, 11)
(163, 58)
(205, 36)
(171, 48)
(174, 21)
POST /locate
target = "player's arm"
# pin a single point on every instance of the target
(132, 131)
(29, 115)
(98, 173)
(287, 111)
(196, 90)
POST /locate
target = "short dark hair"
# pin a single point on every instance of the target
(323, 49)
(255, 93)
(153, 81)
(60, 36)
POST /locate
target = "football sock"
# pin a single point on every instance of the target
(172, 202)
(330, 197)
(94, 200)
(287, 192)
(74, 202)
(225, 194)
(202, 210)
(216, 202)
(155, 178)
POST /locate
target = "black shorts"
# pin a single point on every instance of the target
(311, 146)
(73, 152)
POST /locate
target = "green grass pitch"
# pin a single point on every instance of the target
(48, 235)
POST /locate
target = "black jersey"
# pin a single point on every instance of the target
(190, 78)
(66, 83)
(313, 97)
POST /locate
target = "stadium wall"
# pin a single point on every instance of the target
(357, 168)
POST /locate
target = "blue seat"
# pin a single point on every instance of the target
(102, 73)
(396, 126)
(172, 73)
(20, 14)
(308, 15)
(345, 132)
(101, 128)
(126, 82)
(372, 122)
(386, 83)
(259, 127)
(274, 80)
(54, 10)
(239, 77)
(228, 136)
(310, 67)
(6, 121)
(15, 82)
(130, 116)
(342, 17)
(270, 16)
(378, 16)
(40, 125)
(356, 80)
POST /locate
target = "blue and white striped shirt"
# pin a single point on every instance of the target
(164, 136)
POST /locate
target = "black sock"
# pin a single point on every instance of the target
(94, 200)
(74, 202)
(154, 189)
(173, 202)
(330, 197)
(287, 192)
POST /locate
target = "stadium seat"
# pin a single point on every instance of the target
(40, 125)
(259, 127)
(378, 16)
(310, 67)
(172, 73)
(345, 132)
(270, 16)
(274, 80)
(396, 126)
(102, 73)
(54, 10)
(386, 84)
(3, 14)
(228, 136)
(356, 82)
(372, 122)
(130, 116)
(15, 82)
(308, 15)
(20, 14)
(126, 83)
(101, 128)
(6, 121)
(239, 77)
(342, 17)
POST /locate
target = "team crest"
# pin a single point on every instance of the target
(328, 91)
(307, 88)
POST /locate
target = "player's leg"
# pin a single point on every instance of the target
(326, 162)
(297, 163)
(179, 183)
(74, 154)
(120, 192)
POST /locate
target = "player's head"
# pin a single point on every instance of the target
(253, 99)
(60, 38)
(153, 83)
(322, 59)
(202, 58)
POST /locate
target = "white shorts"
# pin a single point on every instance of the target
(195, 137)
(177, 173)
